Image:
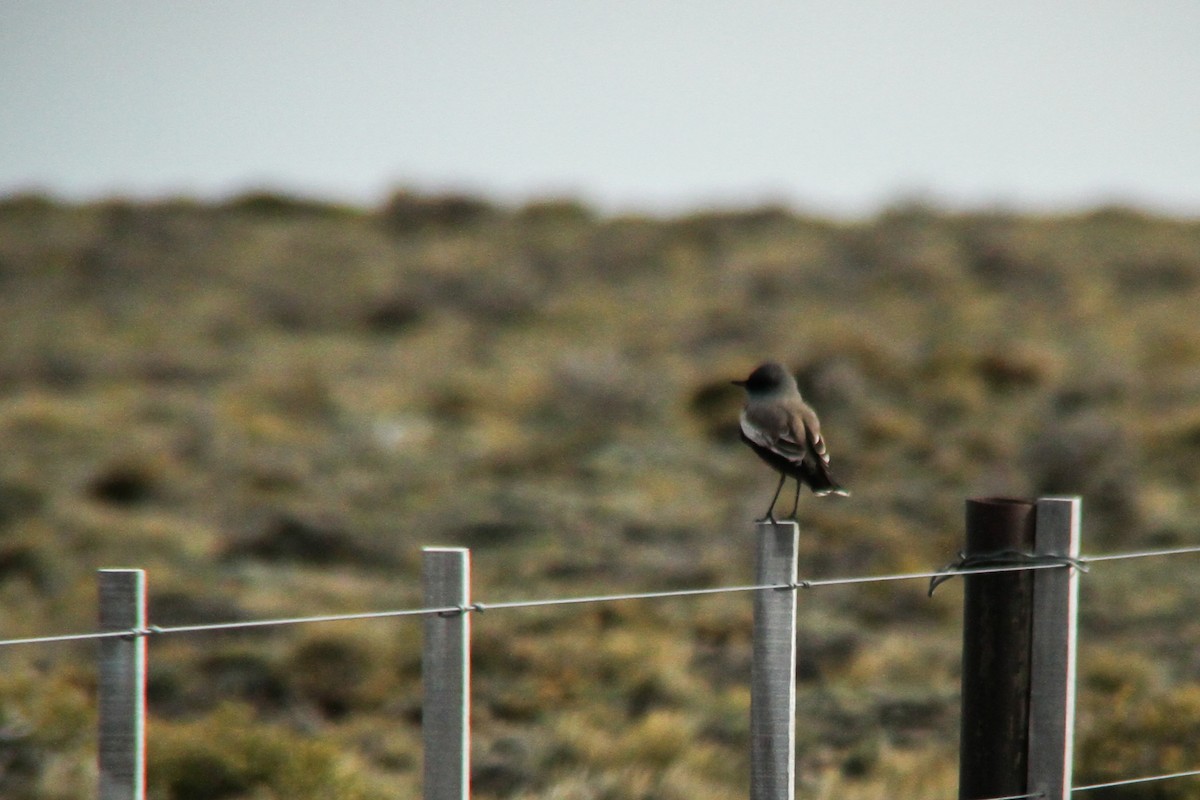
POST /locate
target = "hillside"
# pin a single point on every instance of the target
(271, 404)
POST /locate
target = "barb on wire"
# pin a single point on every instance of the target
(966, 564)
(138, 633)
(460, 610)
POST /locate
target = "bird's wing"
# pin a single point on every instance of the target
(772, 429)
(806, 418)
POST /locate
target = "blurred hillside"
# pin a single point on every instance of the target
(271, 404)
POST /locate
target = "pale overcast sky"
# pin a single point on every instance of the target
(647, 104)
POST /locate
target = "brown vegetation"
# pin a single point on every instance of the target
(271, 404)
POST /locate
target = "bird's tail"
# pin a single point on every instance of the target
(822, 482)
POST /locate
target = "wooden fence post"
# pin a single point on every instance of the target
(773, 670)
(122, 685)
(1052, 660)
(446, 674)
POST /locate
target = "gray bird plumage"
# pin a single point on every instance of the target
(784, 431)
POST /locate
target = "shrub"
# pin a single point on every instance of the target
(1142, 736)
(227, 754)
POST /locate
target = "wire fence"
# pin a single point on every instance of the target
(480, 607)
(1192, 773)
(140, 633)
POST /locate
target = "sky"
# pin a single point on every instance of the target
(647, 105)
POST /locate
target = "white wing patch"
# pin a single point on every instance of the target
(819, 447)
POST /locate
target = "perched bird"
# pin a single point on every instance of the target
(784, 431)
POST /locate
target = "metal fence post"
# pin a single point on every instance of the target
(1052, 657)
(773, 670)
(122, 689)
(446, 674)
(997, 612)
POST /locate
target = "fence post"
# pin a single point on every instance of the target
(997, 614)
(1052, 660)
(773, 669)
(122, 689)
(446, 674)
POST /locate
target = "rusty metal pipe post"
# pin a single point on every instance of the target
(997, 621)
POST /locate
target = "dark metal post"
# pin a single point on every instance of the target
(997, 620)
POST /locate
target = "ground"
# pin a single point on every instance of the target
(271, 404)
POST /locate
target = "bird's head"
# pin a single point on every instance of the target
(768, 378)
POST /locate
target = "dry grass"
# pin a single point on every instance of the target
(272, 404)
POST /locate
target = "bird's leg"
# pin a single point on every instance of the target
(795, 503)
(770, 517)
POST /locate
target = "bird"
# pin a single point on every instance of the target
(784, 431)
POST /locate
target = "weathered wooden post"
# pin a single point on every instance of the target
(1018, 649)
(122, 685)
(773, 671)
(446, 674)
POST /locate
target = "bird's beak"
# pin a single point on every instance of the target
(738, 383)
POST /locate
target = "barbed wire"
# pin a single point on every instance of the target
(808, 583)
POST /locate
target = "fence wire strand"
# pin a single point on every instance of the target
(1191, 773)
(1083, 562)
(811, 583)
(1109, 785)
